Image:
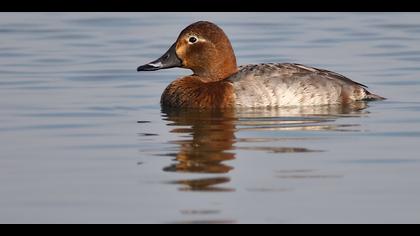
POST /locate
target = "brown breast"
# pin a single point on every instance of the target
(196, 92)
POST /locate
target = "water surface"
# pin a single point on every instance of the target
(83, 138)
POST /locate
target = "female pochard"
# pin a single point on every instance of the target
(217, 81)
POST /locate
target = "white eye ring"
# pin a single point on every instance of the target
(192, 39)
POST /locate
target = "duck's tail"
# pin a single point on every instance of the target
(373, 97)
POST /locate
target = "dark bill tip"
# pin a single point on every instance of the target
(150, 67)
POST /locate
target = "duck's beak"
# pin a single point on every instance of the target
(168, 60)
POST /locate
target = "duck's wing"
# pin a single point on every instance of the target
(289, 84)
(295, 70)
(330, 74)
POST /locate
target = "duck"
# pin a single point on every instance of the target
(218, 82)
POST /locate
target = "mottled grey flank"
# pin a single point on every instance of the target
(278, 85)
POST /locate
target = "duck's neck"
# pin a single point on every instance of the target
(218, 70)
(214, 76)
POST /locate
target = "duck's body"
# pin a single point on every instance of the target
(278, 85)
(218, 83)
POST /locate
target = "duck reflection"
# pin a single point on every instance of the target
(207, 137)
(211, 134)
(210, 137)
(305, 118)
(205, 184)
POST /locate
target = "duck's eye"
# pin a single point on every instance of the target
(192, 39)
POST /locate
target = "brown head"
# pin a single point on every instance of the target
(202, 47)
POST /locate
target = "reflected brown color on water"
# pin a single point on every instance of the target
(211, 139)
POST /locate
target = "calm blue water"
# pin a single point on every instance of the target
(83, 138)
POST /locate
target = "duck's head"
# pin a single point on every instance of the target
(202, 47)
